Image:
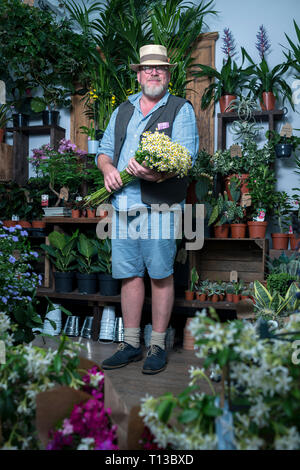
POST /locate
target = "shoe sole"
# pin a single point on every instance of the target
(153, 372)
(119, 366)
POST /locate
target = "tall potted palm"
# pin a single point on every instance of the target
(268, 84)
(229, 81)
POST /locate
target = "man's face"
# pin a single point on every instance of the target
(154, 83)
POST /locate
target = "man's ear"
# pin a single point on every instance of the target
(138, 76)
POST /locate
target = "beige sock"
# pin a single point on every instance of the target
(132, 336)
(158, 339)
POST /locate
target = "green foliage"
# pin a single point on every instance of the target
(229, 81)
(269, 80)
(279, 282)
(87, 253)
(47, 53)
(272, 306)
(284, 264)
(4, 117)
(61, 250)
(194, 279)
(104, 255)
(293, 55)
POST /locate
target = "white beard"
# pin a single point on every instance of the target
(154, 91)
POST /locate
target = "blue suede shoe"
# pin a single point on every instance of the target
(124, 355)
(156, 360)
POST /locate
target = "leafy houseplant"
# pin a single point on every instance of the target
(280, 282)
(266, 80)
(229, 81)
(281, 215)
(189, 294)
(62, 254)
(87, 265)
(283, 145)
(273, 305)
(107, 284)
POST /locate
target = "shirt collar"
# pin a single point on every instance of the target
(135, 100)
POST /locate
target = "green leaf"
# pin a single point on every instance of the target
(164, 410)
(57, 363)
(187, 416)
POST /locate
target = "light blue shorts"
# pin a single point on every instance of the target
(145, 241)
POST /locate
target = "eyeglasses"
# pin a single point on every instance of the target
(149, 68)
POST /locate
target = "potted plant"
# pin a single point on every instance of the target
(213, 293)
(189, 294)
(62, 254)
(236, 215)
(107, 284)
(87, 264)
(267, 85)
(229, 292)
(53, 98)
(237, 287)
(201, 293)
(281, 215)
(229, 82)
(283, 145)
(219, 216)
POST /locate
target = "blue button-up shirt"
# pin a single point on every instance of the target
(184, 131)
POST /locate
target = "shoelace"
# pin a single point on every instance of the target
(152, 350)
(121, 347)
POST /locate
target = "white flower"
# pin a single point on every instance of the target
(289, 441)
(86, 443)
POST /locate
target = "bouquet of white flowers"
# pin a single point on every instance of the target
(156, 151)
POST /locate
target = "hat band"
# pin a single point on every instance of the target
(161, 58)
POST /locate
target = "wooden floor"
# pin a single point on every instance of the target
(125, 387)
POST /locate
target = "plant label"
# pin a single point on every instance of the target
(2, 92)
(286, 130)
(233, 276)
(235, 151)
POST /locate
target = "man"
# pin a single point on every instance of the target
(151, 109)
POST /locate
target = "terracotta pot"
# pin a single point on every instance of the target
(280, 241)
(268, 102)
(75, 213)
(229, 297)
(221, 231)
(10, 223)
(238, 230)
(2, 132)
(225, 101)
(214, 298)
(221, 297)
(38, 224)
(236, 298)
(189, 295)
(244, 297)
(294, 240)
(257, 229)
(243, 187)
(24, 223)
(91, 213)
(201, 297)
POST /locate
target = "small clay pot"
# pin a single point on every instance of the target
(236, 298)
(280, 241)
(189, 295)
(75, 213)
(229, 297)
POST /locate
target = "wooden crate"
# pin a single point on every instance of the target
(6, 162)
(219, 257)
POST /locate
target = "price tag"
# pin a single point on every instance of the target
(246, 200)
(235, 151)
(233, 276)
(2, 92)
(286, 130)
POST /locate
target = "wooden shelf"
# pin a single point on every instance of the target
(225, 118)
(103, 300)
(35, 130)
(72, 220)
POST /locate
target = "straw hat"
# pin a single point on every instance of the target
(153, 54)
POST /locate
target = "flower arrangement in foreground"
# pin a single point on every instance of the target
(27, 371)
(261, 375)
(89, 426)
(156, 151)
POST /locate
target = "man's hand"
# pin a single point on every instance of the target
(141, 171)
(112, 178)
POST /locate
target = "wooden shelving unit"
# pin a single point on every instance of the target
(21, 146)
(225, 118)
